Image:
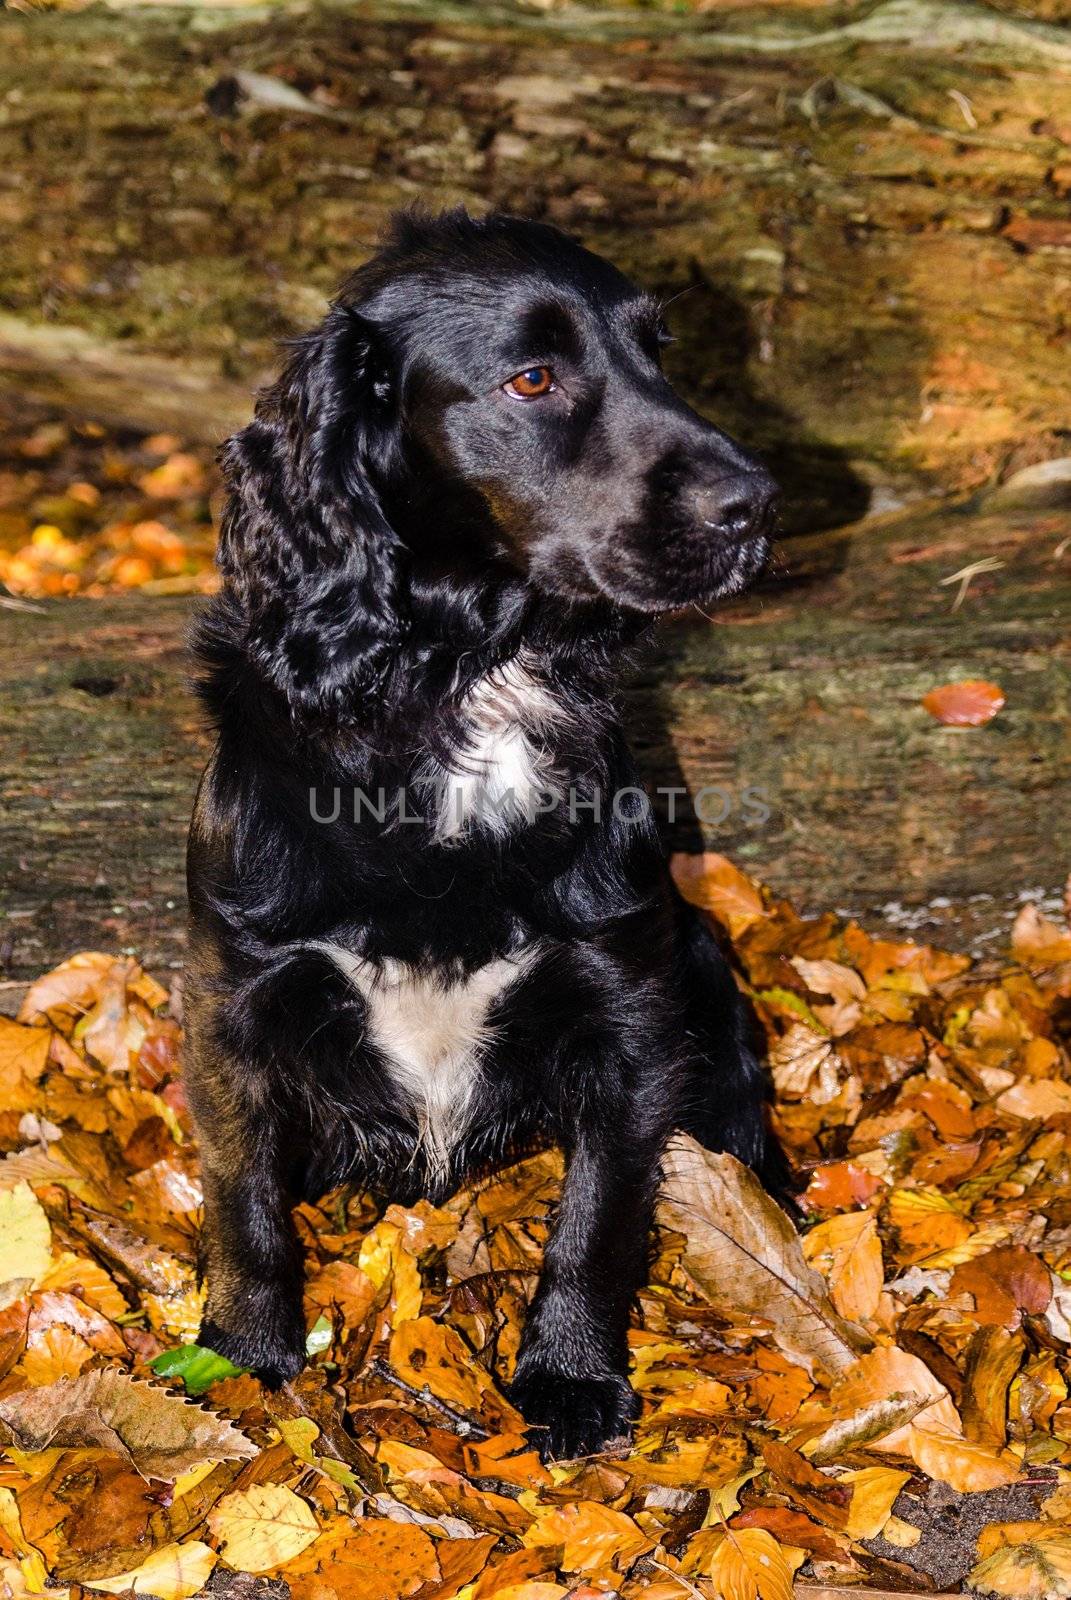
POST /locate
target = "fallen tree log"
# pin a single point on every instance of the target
(807, 694)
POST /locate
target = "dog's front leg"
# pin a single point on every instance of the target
(251, 1257)
(571, 1380)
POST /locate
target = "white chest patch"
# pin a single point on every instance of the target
(430, 1027)
(503, 768)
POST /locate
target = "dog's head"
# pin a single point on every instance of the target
(485, 397)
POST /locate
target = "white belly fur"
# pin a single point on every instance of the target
(430, 1027)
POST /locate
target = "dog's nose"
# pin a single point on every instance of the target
(738, 506)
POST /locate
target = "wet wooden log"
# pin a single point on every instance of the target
(866, 205)
(806, 693)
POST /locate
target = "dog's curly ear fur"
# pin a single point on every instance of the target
(305, 548)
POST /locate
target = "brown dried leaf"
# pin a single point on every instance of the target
(1004, 1283)
(159, 1434)
(742, 1250)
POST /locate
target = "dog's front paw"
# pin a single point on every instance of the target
(572, 1417)
(274, 1353)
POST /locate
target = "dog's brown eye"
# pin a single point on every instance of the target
(530, 384)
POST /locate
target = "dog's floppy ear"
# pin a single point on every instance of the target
(304, 545)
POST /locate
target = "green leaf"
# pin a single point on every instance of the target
(788, 1000)
(320, 1335)
(197, 1366)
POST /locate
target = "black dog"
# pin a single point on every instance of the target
(426, 928)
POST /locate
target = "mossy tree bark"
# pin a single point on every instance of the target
(866, 204)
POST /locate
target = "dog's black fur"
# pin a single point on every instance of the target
(410, 546)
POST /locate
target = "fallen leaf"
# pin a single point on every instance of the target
(833, 978)
(713, 883)
(592, 1536)
(874, 1492)
(159, 1434)
(198, 1367)
(1038, 1098)
(173, 1572)
(821, 1496)
(25, 1236)
(749, 1564)
(867, 1425)
(1004, 1283)
(848, 1251)
(23, 1054)
(1037, 1570)
(426, 1352)
(68, 991)
(805, 1065)
(886, 1373)
(741, 1249)
(1038, 941)
(365, 1560)
(836, 1185)
(263, 1527)
(961, 1463)
(964, 705)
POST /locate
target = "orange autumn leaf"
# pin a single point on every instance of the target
(967, 704)
(749, 1564)
(592, 1536)
(426, 1352)
(835, 1185)
(963, 1464)
(57, 1352)
(1037, 1569)
(370, 1559)
(847, 1250)
(713, 883)
(886, 1373)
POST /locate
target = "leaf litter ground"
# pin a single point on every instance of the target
(878, 1401)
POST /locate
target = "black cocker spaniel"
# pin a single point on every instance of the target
(430, 922)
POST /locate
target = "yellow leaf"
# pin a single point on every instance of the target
(262, 1527)
(904, 1535)
(874, 1491)
(529, 1591)
(749, 1564)
(593, 1535)
(174, 1572)
(1039, 1570)
(29, 1576)
(847, 1249)
(25, 1236)
(383, 1256)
